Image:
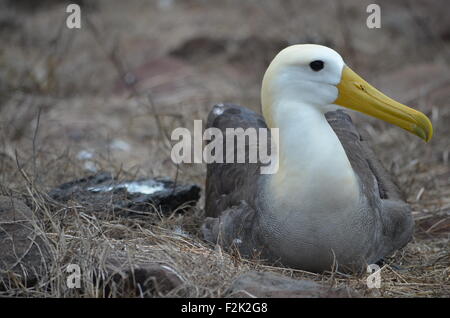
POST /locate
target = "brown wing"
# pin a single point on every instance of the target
(362, 158)
(383, 196)
(229, 184)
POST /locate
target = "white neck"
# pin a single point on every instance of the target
(314, 168)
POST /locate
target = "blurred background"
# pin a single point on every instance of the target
(108, 95)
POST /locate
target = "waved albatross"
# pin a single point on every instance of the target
(330, 203)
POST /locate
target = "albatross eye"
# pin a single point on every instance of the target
(316, 65)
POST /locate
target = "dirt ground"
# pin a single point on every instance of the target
(105, 97)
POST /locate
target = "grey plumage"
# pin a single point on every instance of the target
(235, 203)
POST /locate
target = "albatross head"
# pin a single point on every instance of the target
(315, 75)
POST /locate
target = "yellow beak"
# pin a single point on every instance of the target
(355, 93)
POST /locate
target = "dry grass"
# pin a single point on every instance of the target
(70, 80)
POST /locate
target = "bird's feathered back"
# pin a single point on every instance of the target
(228, 184)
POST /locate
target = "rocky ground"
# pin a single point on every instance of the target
(105, 98)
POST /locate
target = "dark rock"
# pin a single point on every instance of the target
(23, 254)
(69, 190)
(101, 192)
(198, 48)
(256, 284)
(141, 279)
